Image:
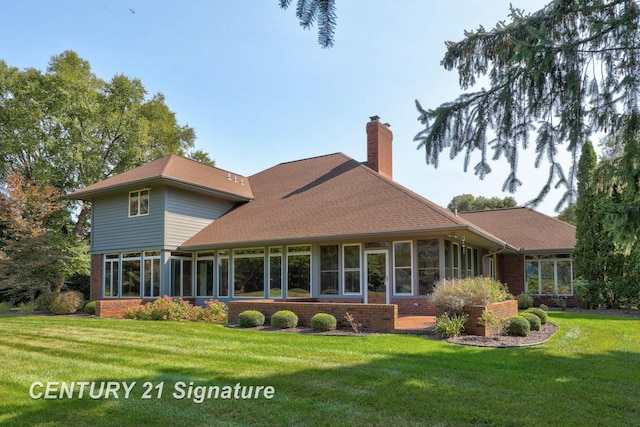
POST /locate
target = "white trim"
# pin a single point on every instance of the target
(412, 291)
(148, 190)
(351, 269)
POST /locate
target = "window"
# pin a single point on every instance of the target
(131, 273)
(455, 248)
(428, 265)
(181, 275)
(139, 203)
(402, 268)
(223, 273)
(299, 271)
(275, 272)
(248, 273)
(151, 274)
(351, 269)
(204, 274)
(329, 270)
(111, 283)
(549, 274)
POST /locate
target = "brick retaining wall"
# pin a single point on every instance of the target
(501, 310)
(373, 317)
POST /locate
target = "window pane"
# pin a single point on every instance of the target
(548, 280)
(176, 277)
(428, 253)
(403, 281)
(223, 277)
(133, 203)
(115, 280)
(427, 278)
(564, 277)
(275, 276)
(352, 282)
(329, 257)
(108, 278)
(303, 248)
(205, 278)
(148, 292)
(329, 282)
(402, 254)
(531, 277)
(351, 256)
(187, 281)
(131, 278)
(248, 277)
(144, 202)
(298, 276)
(156, 277)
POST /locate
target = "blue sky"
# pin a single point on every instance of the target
(258, 89)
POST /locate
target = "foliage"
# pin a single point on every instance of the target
(448, 326)
(66, 302)
(544, 317)
(43, 302)
(453, 295)
(5, 306)
(355, 325)
(90, 308)
(534, 321)
(322, 322)
(491, 322)
(250, 319)
(284, 319)
(467, 202)
(524, 301)
(35, 255)
(167, 308)
(568, 214)
(542, 76)
(324, 11)
(517, 325)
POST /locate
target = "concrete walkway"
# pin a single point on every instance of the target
(414, 324)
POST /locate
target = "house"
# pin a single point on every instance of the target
(327, 227)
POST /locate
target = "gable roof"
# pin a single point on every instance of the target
(175, 170)
(524, 228)
(330, 196)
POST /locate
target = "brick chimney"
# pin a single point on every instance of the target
(379, 147)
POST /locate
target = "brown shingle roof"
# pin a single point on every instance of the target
(324, 197)
(525, 228)
(177, 170)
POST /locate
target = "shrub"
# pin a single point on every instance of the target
(66, 302)
(43, 302)
(250, 319)
(540, 313)
(167, 308)
(214, 311)
(450, 326)
(90, 307)
(284, 319)
(5, 306)
(491, 322)
(517, 325)
(534, 321)
(452, 295)
(323, 322)
(524, 301)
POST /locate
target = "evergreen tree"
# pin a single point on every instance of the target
(467, 202)
(566, 71)
(324, 11)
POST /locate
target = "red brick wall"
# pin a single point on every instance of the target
(511, 272)
(95, 290)
(501, 310)
(373, 317)
(414, 306)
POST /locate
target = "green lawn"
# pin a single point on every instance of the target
(587, 374)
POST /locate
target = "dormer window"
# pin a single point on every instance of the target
(139, 203)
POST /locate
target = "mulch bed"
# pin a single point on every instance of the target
(502, 341)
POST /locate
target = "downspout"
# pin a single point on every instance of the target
(490, 254)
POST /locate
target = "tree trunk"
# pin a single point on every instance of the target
(82, 219)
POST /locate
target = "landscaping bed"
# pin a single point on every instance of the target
(533, 338)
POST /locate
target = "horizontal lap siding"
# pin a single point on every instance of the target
(114, 230)
(187, 213)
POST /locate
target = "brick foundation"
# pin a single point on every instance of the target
(373, 317)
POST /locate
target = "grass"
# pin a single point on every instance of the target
(587, 373)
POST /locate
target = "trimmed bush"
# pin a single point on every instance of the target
(43, 302)
(534, 321)
(540, 313)
(250, 319)
(450, 326)
(322, 322)
(90, 307)
(284, 319)
(517, 326)
(524, 301)
(452, 295)
(66, 302)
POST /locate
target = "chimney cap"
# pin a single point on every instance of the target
(374, 118)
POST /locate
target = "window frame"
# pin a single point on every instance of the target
(410, 268)
(346, 269)
(139, 204)
(538, 260)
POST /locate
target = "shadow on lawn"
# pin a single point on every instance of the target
(449, 386)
